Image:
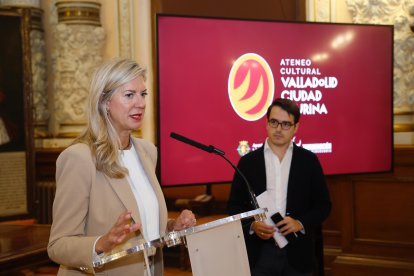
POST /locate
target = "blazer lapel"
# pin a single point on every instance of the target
(123, 190)
(146, 164)
(293, 180)
(260, 168)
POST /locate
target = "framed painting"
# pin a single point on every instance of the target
(16, 124)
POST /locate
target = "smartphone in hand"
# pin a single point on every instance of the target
(276, 218)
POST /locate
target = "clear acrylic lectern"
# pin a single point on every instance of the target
(215, 248)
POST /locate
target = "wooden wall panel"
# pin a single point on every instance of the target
(357, 266)
(332, 226)
(373, 214)
(384, 211)
(45, 164)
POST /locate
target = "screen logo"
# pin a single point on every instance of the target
(243, 148)
(250, 86)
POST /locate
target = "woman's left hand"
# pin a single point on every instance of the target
(185, 220)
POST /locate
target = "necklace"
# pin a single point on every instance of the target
(127, 146)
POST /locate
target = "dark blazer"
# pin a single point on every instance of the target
(307, 201)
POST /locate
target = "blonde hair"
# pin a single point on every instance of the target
(99, 134)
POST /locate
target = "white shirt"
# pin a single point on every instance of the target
(277, 176)
(144, 194)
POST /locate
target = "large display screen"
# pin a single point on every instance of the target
(216, 78)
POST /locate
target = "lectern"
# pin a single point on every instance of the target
(215, 248)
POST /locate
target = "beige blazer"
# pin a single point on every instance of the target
(88, 203)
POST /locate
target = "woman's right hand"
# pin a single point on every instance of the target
(116, 235)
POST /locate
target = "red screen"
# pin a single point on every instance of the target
(216, 78)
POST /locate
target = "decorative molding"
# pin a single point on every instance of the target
(125, 28)
(397, 13)
(320, 10)
(404, 127)
(411, 17)
(404, 121)
(22, 3)
(39, 69)
(323, 10)
(81, 12)
(402, 113)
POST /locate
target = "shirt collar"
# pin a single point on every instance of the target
(267, 147)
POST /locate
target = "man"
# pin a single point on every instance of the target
(295, 179)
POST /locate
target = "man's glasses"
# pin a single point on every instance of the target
(284, 124)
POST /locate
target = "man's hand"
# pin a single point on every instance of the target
(290, 225)
(263, 230)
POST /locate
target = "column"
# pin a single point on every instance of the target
(78, 43)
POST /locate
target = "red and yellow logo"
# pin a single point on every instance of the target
(250, 86)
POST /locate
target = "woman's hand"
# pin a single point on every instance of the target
(185, 220)
(116, 235)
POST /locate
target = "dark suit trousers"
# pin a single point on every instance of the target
(273, 261)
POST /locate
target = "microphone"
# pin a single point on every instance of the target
(212, 149)
(209, 149)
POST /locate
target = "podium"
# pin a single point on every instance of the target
(215, 248)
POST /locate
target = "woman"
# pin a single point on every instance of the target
(107, 194)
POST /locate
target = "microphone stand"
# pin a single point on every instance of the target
(249, 188)
(212, 149)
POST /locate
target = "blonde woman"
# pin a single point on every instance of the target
(107, 192)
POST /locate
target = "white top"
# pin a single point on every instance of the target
(277, 176)
(144, 194)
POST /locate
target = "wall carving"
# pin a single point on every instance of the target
(79, 40)
(398, 13)
(39, 67)
(125, 20)
(75, 57)
(323, 13)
